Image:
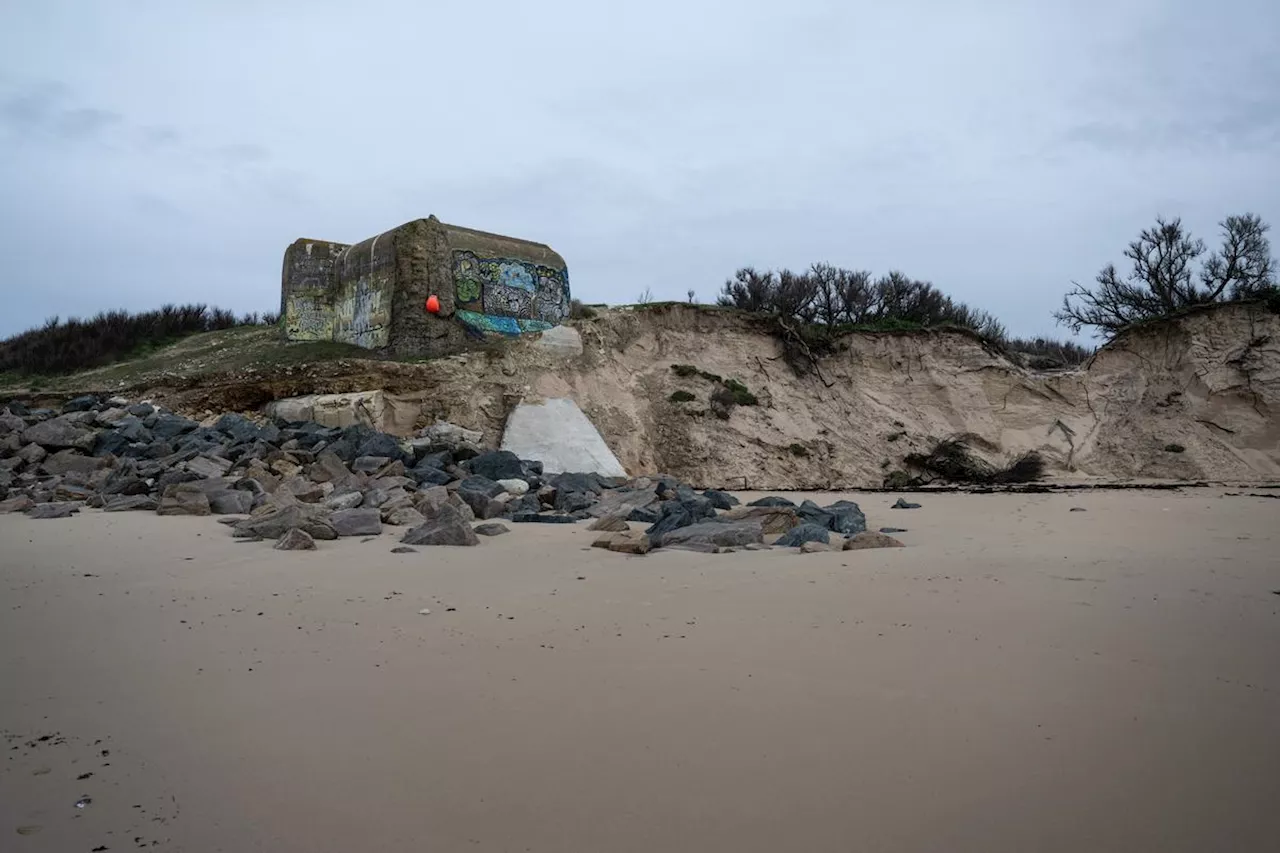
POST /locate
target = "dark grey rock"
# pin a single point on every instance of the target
(141, 410)
(231, 502)
(720, 500)
(492, 528)
(645, 515)
(169, 426)
(681, 513)
(380, 444)
(798, 535)
(123, 503)
(403, 549)
(237, 427)
(53, 510)
(893, 530)
(811, 513)
(447, 527)
(847, 518)
(723, 534)
(57, 434)
(624, 501)
(540, 518)
(357, 522)
(772, 500)
(427, 475)
(441, 459)
(574, 501)
(173, 478)
(903, 503)
(17, 407)
(110, 443)
(481, 485)
(80, 404)
(497, 465)
(369, 464)
(294, 539)
(1078, 509)
(577, 482)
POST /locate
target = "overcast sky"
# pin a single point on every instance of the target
(155, 151)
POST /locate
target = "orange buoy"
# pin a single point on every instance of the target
(433, 304)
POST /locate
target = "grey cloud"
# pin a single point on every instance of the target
(1000, 150)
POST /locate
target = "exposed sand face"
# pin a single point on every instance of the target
(1020, 678)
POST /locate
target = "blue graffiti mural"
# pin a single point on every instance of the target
(482, 323)
(503, 289)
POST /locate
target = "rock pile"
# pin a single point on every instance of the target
(297, 483)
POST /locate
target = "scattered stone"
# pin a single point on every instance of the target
(847, 518)
(343, 500)
(184, 499)
(80, 404)
(21, 503)
(231, 502)
(720, 500)
(369, 464)
(208, 466)
(403, 549)
(32, 454)
(492, 528)
(807, 532)
(124, 503)
(1078, 509)
(757, 546)
(53, 510)
(726, 534)
(404, 516)
(295, 540)
(497, 465)
(903, 503)
(424, 612)
(773, 520)
(358, 522)
(448, 527)
(772, 501)
(623, 543)
(71, 492)
(893, 530)
(813, 547)
(58, 434)
(613, 523)
(867, 539)
(275, 521)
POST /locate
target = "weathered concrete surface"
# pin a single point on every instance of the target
(373, 294)
(557, 434)
(378, 409)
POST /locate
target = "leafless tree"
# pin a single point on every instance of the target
(1162, 279)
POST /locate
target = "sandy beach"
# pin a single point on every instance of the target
(1020, 677)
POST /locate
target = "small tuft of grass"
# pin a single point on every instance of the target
(798, 449)
(681, 397)
(894, 436)
(1174, 448)
(578, 310)
(741, 395)
(684, 371)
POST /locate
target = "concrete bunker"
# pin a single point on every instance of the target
(374, 294)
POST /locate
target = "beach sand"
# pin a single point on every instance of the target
(1019, 678)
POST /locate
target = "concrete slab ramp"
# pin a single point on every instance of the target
(557, 434)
